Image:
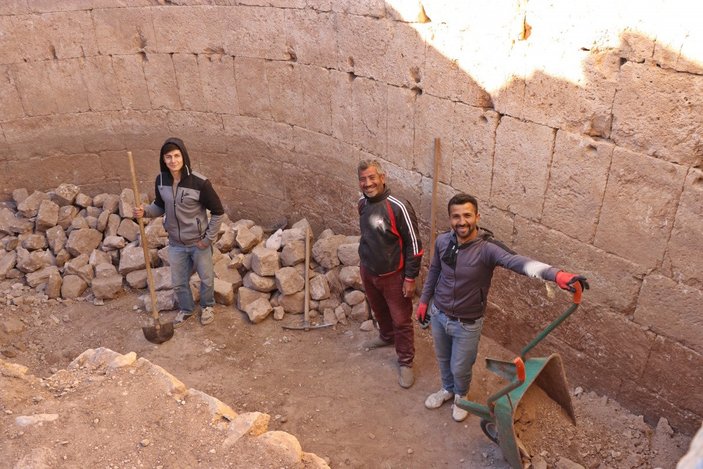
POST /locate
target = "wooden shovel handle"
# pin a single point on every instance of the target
(143, 242)
(433, 207)
(306, 316)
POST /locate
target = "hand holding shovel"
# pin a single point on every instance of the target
(158, 332)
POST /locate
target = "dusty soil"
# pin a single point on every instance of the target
(343, 403)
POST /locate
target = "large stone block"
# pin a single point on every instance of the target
(444, 74)
(686, 233)
(342, 113)
(219, 86)
(671, 309)
(577, 181)
(69, 91)
(639, 207)
(101, 83)
(254, 32)
(641, 400)
(252, 87)
(521, 166)
(673, 374)
(160, 75)
(582, 105)
(427, 128)
(131, 82)
(391, 52)
(327, 154)
(12, 104)
(286, 92)
(369, 125)
(473, 145)
(607, 337)
(615, 282)
(656, 112)
(190, 88)
(187, 29)
(14, 29)
(400, 126)
(83, 241)
(312, 36)
(124, 31)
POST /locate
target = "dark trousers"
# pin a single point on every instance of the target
(393, 312)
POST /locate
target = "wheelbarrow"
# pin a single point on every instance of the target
(497, 416)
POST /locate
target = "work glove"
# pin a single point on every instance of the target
(566, 281)
(423, 317)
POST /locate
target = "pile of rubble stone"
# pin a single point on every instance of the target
(67, 245)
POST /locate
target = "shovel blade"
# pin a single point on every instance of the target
(158, 333)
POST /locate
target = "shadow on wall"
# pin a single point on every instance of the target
(277, 106)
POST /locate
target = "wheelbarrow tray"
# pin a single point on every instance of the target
(548, 374)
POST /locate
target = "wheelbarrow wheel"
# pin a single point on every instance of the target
(490, 429)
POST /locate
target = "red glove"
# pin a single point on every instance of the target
(421, 312)
(566, 281)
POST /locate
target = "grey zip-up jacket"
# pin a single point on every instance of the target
(185, 219)
(462, 290)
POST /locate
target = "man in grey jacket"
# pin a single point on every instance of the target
(184, 196)
(459, 279)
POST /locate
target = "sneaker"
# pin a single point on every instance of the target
(181, 318)
(435, 400)
(406, 377)
(376, 343)
(207, 315)
(458, 414)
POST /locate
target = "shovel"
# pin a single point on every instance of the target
(158, 332)
(305, 326)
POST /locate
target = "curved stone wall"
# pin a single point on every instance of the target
(579, 132)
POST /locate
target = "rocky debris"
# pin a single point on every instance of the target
(67, 245)
(149, 396)
(548, 438)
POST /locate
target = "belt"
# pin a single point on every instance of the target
(463, 320)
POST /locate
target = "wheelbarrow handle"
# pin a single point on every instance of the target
(520, 376)
(520, 369)
(573, 307)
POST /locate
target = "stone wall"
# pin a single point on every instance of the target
(576, 125)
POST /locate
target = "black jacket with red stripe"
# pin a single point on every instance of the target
(390, 241)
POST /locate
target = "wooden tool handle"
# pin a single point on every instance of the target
(433, 208)
(143, 241)
(306, 316)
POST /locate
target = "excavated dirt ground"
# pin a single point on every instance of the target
(342, 403)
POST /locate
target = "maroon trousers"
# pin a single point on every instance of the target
(393, 312)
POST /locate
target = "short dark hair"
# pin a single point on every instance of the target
(169, 147)
(461, 199)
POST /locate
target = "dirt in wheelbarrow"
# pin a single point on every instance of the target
(340, 401)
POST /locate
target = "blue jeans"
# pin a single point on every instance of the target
(456, 347)
(183, 259)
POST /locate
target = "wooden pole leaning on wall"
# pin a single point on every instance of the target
(435, 182)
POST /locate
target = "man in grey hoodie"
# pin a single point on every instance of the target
(458, 281)
(184, 196)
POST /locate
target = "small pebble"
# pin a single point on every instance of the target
(145, 442)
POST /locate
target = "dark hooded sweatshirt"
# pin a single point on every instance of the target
(460, 276)
(185, 219)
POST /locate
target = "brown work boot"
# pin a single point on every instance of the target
(376, 343)
(406, 377)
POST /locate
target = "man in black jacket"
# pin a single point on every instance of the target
(458, 282)
(184, 196)
(390, 252)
